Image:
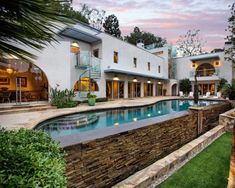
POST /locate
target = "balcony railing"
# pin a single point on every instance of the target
(205, 73)
(89, 64)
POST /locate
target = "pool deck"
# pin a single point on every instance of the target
(31, 119)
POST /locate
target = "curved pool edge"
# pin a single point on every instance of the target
(83, 137)
(97, 108)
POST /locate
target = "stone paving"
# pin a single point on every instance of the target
(31, 119)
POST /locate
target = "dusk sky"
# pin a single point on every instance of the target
(170, 18)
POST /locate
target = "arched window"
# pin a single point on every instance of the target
(85, 83)
(205, 69)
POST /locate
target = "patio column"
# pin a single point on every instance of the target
(154, 88)
(216, 85)
(142, 89)
(192, 83)
(126, 89)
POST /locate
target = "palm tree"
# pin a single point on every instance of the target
(195, 93)
(31, 23)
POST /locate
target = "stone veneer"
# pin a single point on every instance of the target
(106, 161)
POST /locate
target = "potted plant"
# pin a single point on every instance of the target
(91, 99)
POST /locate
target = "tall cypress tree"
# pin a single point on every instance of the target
(111, 26)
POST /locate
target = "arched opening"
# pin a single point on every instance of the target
(22, 82)
(205, 69)
(174, 90)
(86, 84)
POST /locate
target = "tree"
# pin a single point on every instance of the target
(190, 44)
(94, 16)
(111, 26)
(28, 23)
(67, 9)
(148, 38)
(185, 85)
(230, 52)
(222, 83)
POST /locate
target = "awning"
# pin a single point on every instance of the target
(118, 71)
(80, 35)
(205, 57)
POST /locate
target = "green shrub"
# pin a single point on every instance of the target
(228, 90)
(89, 95)
(185, 85)
(104, 99)
(30, 159)
(222, 83)
(62, 98)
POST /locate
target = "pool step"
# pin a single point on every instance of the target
(20, 109)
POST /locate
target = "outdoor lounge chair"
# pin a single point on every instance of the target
(218, 96)
(190, 94)
(207, 95)
(181, 94)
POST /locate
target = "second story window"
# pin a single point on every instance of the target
(115, 57)
(135, 62)
(159, 69)
(96, 53)
(149, 66)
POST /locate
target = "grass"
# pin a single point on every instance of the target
(209, 169)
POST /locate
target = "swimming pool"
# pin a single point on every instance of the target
(88, 121)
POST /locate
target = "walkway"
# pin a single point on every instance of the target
(31, 119)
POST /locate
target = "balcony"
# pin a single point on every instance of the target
(205, 74)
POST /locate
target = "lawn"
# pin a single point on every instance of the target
(207, 170)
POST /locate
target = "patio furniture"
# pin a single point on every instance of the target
(190, 94)
(207, 95)
(181, 94)
(6, 96)
(218, 95)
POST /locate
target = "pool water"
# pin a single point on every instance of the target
(81, 122)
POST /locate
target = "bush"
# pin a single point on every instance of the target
(185, 85)
(62, 98)
(222, 83)
(30, 159)
(89, 95)
(228, 90)
(104, 99)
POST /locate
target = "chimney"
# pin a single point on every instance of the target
(140, 43)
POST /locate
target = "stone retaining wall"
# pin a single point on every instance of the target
(106, 161)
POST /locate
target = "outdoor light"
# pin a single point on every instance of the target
(9, 70)
(134, 119)
(149, 115)
(115, 77)
(135, 80)
(159, 82)
(149, 81)
(159, 112)
(116, 124)
(75, 47)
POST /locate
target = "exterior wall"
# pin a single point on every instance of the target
(54, 61)
(126, 53)
(106, 161)
(184, 67)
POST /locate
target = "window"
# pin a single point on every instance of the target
(149, 66)
(159, 68)
(159, 53)
(85, 84)
(115, 57)
(135, 62)
(96, 53)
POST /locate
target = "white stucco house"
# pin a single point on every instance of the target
(85, 59)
